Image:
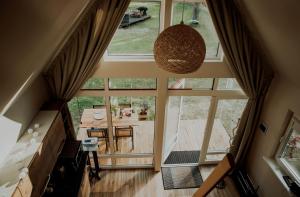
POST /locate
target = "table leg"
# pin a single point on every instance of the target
(95, 156)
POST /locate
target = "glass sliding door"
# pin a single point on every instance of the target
(224, 127)
(172, 124)
(133, 119)
(185, 127)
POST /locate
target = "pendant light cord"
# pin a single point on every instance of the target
(183, 4)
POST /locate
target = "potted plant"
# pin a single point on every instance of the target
(144, 111)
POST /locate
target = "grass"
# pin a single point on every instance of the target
(139, 38)
(205, 26)
(94, 83)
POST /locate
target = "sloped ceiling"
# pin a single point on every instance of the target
(30, 33)
(276, 24)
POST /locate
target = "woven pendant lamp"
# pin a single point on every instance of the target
(179, 49)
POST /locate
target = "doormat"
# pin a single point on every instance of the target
(180, 157)
(181, 177)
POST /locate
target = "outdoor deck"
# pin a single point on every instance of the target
(190, 137)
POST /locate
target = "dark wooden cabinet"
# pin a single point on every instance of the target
(45, 159)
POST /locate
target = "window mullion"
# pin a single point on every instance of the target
(208, 128)
(108, 115)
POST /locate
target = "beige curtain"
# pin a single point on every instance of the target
(78, 59)
(247, 64)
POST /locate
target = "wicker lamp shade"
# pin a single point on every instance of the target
(179, 49)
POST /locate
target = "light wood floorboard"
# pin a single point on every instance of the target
(147, 183)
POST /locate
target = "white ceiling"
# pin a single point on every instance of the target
(276, 24)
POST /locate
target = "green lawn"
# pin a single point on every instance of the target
(205, 26)
(139, 38)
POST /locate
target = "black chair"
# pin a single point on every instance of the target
(100, 133)
(124, 132)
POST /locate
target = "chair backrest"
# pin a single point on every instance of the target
(122, 106)
(99, 106)
(97, 132)
(124, 131)
(222, 169)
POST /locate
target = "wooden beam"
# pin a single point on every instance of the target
(223, 168)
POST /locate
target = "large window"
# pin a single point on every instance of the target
(288, 154)
(132, 83)
(202, 118)
(196, 15)
(226, 121)
(123, 119)
(191, 83)
(94, 83)
(137, 31)
(78, 104)
(140, 27)
(185, 126)
(228, 84)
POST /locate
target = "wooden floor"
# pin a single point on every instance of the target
(191, 134)
(147, 183)
(190, 137)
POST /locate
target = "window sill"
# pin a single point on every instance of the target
(278, 171)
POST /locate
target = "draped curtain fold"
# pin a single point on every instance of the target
(248, 66)
(78, 59)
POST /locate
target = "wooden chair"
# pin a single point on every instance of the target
(122, 106)
(124, 132)
(218, 174)
(99, 107)
(100, 133)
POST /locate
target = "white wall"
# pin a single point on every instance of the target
(29, 103)
(275, 24)
(282, 96)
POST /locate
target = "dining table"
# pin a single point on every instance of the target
(97, 118)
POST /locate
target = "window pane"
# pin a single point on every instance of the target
(197, 16)
(225, 124)
(185, 126)
(291, 151)
(94, 83)
(78, 104)
(138, 30)
(132, 83)
(75, 114)
(173, 118)
(137, 112)
(228, 84)
(191, 83)
(85, 102)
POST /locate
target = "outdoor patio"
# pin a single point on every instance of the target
(190, 137)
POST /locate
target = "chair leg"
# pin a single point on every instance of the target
(117, 143)
(106, 142)
(132, 142)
